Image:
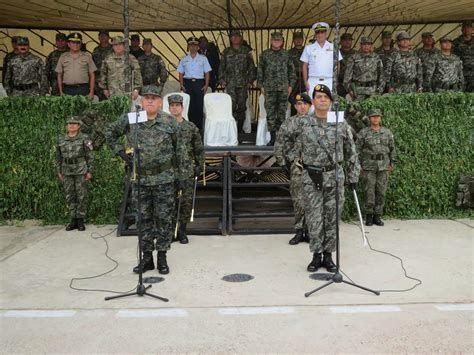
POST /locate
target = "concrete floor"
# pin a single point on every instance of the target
(39, 312)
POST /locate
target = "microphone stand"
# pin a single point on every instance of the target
(141, 288)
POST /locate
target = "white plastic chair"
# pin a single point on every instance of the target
(186, 99)
(220, 128)
(247, 127)
(263, 136)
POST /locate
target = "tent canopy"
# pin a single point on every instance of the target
(222, 14)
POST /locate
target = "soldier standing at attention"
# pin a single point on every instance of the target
(236, 73)
(426, 54)
(464, 49)
(152, 67)
(364, 75)
(315, 154)
(194, 75)
(444, 71)
(162, 157)
(98, 55)
(25, 74)
(295, 53)
(52, 62)
(275, 77)
(190, 136)
(404, 72)
(76, 69)
(347, 51)
(302, 105)
(385, 50)
(112, 72)
(376, 147)
(9, 56)
(74, 166)
(135, 49)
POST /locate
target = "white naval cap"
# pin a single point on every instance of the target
(318, 26)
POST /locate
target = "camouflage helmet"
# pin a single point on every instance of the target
(117, 40)
(374, 112)
(21, 41)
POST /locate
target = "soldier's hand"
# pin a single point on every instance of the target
(91, 95)
(126, 158)
(351, 94)
(223, 84)
(353, 186)
(391, 90)
(204, 88)
(182, 88)
(197, 170)
(361, 172)
(390, 168)
(107, 93)
(134, 94)
(61, 177)
(88, 176)
(420, 90)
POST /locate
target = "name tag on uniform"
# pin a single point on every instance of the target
(132, 117)
(332, 117)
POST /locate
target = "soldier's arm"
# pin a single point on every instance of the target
(388, 71)
(359, 142)
(260, 71)
(103, 75)
(137, 74)
(346, 82)
(291, 150)
(460, 76)
(291, 72)
(279, 147)
(198, 148)
(430, 69)
(419, 75)
(58, 157)
(222, 69)
(350, 156)
(115, 131)
(180, 154)
(163, 73)
(43, 78)
(89, 156)
(7, 83)
(251, 69)
(380, 76)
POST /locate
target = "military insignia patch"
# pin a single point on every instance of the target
(89, 145)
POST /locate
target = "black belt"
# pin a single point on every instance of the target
(193, 79)
(74, 160)
(25, 86)
(324, 169)
(76, 85)
(156, 170)
(376, 156)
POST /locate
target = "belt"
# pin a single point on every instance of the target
(76, 85)
(25, 86)
(324, 169)
(156, 170)
(376, 156)
(193, 79)
(74, 160)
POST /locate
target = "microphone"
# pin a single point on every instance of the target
(138, 107)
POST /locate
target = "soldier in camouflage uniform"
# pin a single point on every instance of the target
(135, 49)
(464, 49)
(152, 67)
(9, 56)
(295, 53)
(194, 162)
(52, 61)
(444, 71)
(302, 105)
(236, 73)
(315, 154)
(112, 72)
(404, 72)
(347, 51)
(275, 77)
(426, 55)
(98, 55)
(364, 75)
(163, 159)
(376, 148)
(74, 160)
(386, 49)
(25, 74)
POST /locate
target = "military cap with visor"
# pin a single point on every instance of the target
(193, 40)
(74, 37)
(445, 39)
(103, 32)
(298, 34)
(386, 34)
(134, 37)
(277, 35)
(235, 33)
(73, 119)
(147, 40)
(426, 35)
(151, 90)
(324, 89)
(320, 26)
(374, 112)
(403, 35)
(346, 36)
(366, 39)
(175, 99)
(22, 41)
(118, 40)
(303, 98)
(61, 36)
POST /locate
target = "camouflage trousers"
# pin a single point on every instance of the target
(469, 80)
(276, 105)
(364, 92)
(296, 192)
(320, 212)
(157, 206)
(404, 88)
(30, 92)
(239, 104)
(186, 203)
(75, 189)
(375, 186)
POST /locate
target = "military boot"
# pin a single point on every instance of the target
(162, 267)
(146, 263)
(377, 221)
(328, 263)
(306, 236)
(298, 238)
(73, 225)
(315, 264)
(183, 238)
(80, 224)
(369, 219)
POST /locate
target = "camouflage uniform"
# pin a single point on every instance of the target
(98, 55)
(237, 72)
(316, 148)
(298, 87)
(384, 54)
(346, 55)
(51, 63)
(153, 70)
(112, 74)
(275, 73)
(404, 72)
(6, 60)
(444, 72)
(426, 56)
(25, 76)
(377, 152)
(364, 75)
(74, 159)
(465, 51)
(162, 157)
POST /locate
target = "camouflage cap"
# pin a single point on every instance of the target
(193, 40)
(445, 39)
(235, 33)
(118, 40)
(74, 37)
(73, 119)
(303, 98)
(322, 88)
(403, 35)
(151, 90)
(277, 35)
(175, 98)
(22, 41)
(134, 37)
(426, 35)
(374, 112)
(61, 36)
(146, 40)
(346, 36)
(366, 39)
(467, 23)
(103, 32)
(386, 34)
(298, 34)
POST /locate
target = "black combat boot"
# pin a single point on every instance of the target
(272, 138)
(80, 224)
(298, 238)
(162, 264)
(328, 263)
(306, 236)
(369, 219)
(183, 238)
(146, 263)
(73, 225)
(377, 221)
(315, 264)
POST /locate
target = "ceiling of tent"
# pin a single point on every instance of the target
(213, 14)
